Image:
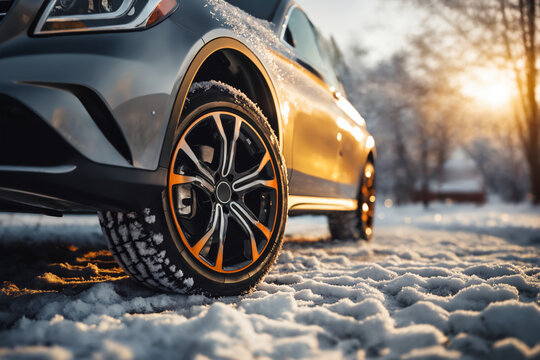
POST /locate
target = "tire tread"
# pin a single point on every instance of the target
(132, 236)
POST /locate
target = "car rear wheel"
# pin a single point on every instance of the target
(357, 224)
(219, 225)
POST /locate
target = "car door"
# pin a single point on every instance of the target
(315, 141)
(352, 133)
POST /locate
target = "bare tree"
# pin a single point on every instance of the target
(379, 93)
(502, 33)
(413, 120)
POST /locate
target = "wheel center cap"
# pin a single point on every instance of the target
(223, 192)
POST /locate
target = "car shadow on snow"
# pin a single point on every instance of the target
(55, 259)
(50, 258)
(30, 268)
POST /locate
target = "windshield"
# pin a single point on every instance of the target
(262, 9)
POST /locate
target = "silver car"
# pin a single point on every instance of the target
(192, 127)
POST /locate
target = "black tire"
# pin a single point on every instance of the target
(153, 245)
(357, 225)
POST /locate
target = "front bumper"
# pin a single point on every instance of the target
(129, 76)
(41, 172)
(83, 117)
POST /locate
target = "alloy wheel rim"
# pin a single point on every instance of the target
(223, 192)
(367, 207)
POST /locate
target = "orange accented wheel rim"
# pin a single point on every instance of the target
(223, 192)
(368, 198)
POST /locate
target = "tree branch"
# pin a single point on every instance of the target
(511, 58)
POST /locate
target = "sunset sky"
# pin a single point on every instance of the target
(383, 26)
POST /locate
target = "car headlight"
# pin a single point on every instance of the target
(63, 16)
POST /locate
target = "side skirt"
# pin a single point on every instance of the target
(308, 204)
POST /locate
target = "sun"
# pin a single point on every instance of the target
(489, 87)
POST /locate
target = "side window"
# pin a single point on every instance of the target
(332, 58)
(301, 35)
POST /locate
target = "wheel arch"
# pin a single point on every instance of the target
(230, 61)
(370, 158)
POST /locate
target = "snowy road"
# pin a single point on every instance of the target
(457, 281)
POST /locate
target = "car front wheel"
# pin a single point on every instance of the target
(219, 225)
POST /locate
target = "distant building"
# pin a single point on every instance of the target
(461, 181)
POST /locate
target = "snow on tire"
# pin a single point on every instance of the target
(219, 225)
(137, 249)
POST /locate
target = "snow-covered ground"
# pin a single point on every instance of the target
(451, 282)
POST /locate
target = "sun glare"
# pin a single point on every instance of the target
(489, 87)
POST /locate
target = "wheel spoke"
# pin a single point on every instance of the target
(189, 152)
(224, 145)
(238, 216)
(236, 185)
(267, 183)
(223, 223)
(202, 242)
(246, 213)
(176, 179)
(237, 125)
